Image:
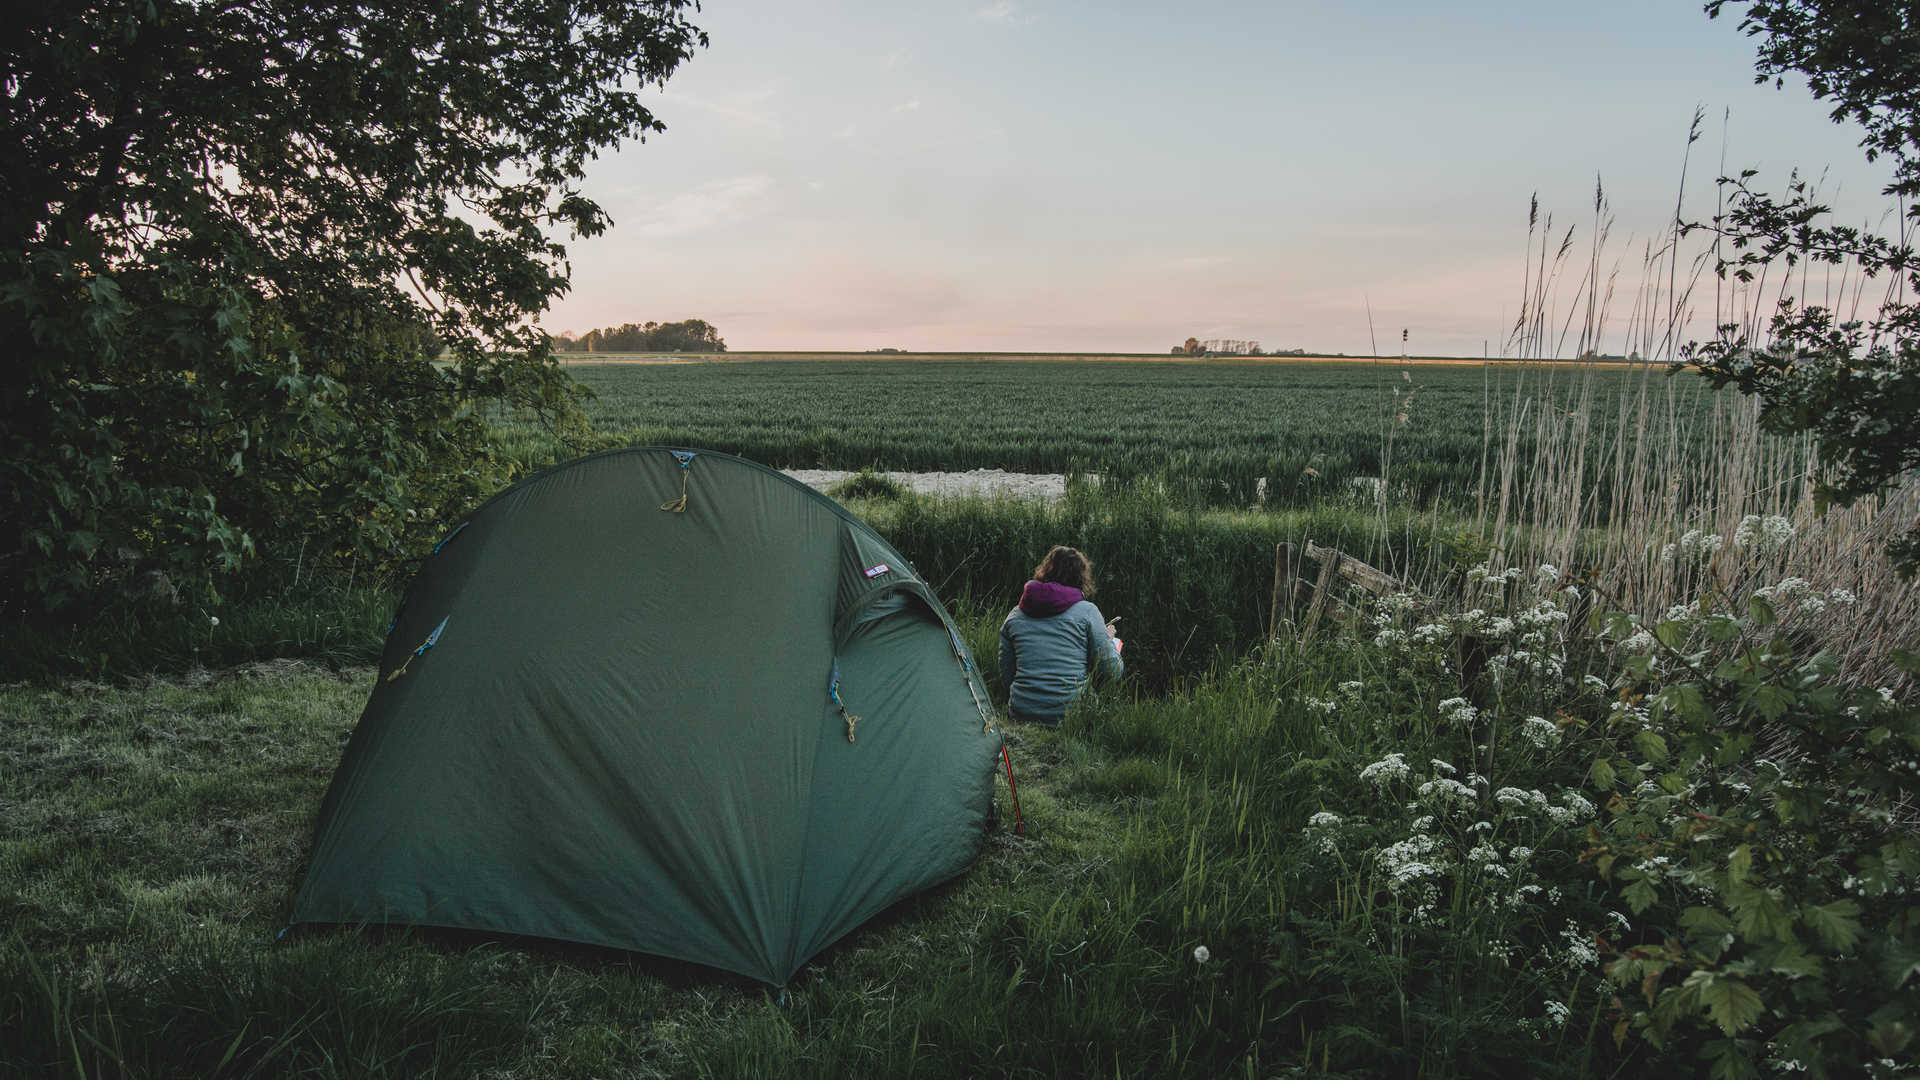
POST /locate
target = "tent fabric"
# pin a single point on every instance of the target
(606, 719)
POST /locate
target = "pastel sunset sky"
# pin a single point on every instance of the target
(1116, 176)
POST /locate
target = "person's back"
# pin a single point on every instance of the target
(1053, 640)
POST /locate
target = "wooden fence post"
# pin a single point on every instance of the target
(1283, 587)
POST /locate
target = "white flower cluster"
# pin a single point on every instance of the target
(1393, 604)
(1458, 711)
(1762, 535)
(1317, 832)
(1411, 865)
(1514, 798)
(1696, 547)
(1540, 731)
(1385, 771)
(1580, 951)
(1573, 808)
(1447, 794)
(1322, 706)
(1800, 595)
(1789, 590)
(1483, 573)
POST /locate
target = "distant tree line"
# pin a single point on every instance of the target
(1229, 347)
(687, 335)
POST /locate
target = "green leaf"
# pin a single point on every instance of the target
(1686, 701)
(1792, 959)
(1602, 774)
(1770, 701)
(1740, 863)
(1730, 1061)
(1723, 627)
(1641, 895)
(1732, 1004)
(1651, 746)
(1760, 611)
(1705, 920)
(1672, 633)
(1836, 924)
(1759, 914)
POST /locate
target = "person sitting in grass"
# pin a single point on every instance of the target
(1054, 639)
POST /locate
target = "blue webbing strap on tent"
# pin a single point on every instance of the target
(432, 639)
(679, 505)
(833, 691)
(450, 536)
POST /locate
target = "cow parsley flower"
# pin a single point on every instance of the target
(1514, 798)
(1762, 535)
(1446, 793)
(1696, 547)
(1579, 951)
(1457, 710)
(1386, 770)
(1540, 731)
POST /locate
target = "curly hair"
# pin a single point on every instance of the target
(1066, 566)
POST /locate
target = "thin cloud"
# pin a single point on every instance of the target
(752, 108)
(1002, 13)
(908, 106)
(712, 204)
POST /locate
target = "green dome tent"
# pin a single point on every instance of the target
(665, 701)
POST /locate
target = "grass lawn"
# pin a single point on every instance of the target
(151, 837)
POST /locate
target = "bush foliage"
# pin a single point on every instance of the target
(237, 235)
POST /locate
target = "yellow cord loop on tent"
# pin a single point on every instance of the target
(679, 505)
(833, 691)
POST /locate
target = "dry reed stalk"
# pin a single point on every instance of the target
(1679, 457)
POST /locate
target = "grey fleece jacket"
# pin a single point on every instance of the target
(1044, 661)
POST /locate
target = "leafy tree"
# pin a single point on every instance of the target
(235, 236)
(689, 335)
(1854, 384)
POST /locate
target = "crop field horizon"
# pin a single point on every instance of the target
(967, 355)
(1215, 432)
